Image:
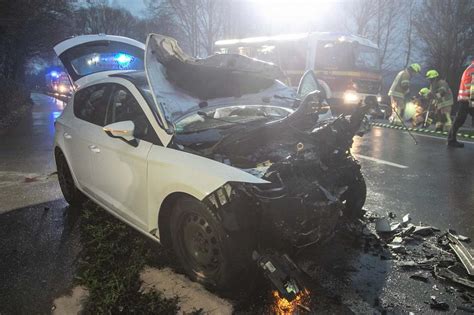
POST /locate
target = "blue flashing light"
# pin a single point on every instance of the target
(123, 59)
(54, 74)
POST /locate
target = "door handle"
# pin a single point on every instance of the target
(67, 136)
(94, 149)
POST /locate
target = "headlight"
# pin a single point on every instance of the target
(379, 99)
(62, 88)
(351, 97)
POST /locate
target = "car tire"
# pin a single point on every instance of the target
(70, 192)
(355, 196)
(208, 254)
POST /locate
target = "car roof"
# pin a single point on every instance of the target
(136, 77)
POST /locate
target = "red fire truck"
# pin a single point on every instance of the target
(348, 64)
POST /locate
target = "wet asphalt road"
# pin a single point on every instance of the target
(39, 239)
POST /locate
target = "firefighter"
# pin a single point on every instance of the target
(399, 91)
(443, 99)
(466, 104)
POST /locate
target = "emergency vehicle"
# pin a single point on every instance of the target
(348, 64)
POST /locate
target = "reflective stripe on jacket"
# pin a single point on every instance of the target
(466, 88)
(442, 93)
(401, 85)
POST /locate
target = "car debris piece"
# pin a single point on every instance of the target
(383, 225)
(282, 273)
(460, 237)
(420, 276)
(424, 230)
(436, 305)
(406, 219)
(463, 253)
(451, 273)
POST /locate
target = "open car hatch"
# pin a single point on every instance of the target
(86, 55)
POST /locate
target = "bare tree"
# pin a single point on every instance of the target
(100, 18)
(200, 21)
(446, 30)
(409, 32)
(379, 21)
(28, 29)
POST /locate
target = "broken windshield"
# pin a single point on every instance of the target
(225, 117)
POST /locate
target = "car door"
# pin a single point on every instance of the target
(119, 169)
(89, 107)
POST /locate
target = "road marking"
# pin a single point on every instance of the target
(364, 157)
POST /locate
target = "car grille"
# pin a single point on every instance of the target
(367, 86)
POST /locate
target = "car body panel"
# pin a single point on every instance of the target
(171, 171)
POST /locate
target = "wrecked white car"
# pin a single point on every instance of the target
(213, 157)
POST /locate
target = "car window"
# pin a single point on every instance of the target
(90, 104)
(308, 84)
(123, 106)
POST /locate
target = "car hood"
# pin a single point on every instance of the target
(180, 83)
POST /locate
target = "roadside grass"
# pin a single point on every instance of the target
(112, 257)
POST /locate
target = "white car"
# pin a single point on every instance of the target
(207, 156)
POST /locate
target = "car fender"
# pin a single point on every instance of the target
(171, 171)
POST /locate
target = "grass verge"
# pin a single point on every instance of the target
(112, 257)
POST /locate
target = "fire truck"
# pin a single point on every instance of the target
(348, 65)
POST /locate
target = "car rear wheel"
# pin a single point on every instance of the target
(355, 196)
(207, 253)
(66, 182)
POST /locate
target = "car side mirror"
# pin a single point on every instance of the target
(122, 130)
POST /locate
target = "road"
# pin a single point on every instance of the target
(39, 239)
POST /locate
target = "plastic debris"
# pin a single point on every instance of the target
(420, 276)
(436, 305)
(464, 254)
(406, 219)
(383, 225)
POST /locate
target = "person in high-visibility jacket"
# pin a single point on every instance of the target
(399, 91)
(466, 104)
(441, 93)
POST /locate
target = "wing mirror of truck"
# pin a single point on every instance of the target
(123, 130)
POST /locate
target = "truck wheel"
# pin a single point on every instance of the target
(207, 253)
(355, 196)
(70, 192)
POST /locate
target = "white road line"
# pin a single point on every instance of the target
(364, 157)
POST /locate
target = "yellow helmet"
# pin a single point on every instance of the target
(431, 74)
(415, 67)
(424, 91)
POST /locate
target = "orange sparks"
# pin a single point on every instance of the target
(282, 306)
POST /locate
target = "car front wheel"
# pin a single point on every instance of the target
(208, 253)
(66, 182)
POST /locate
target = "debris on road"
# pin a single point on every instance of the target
(383, 225)
(464, 254)
(420, 276)
(437, 305)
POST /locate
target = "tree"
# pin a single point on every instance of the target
(380, 21)
(446, 30)
(200, 22)
(98, 18)
(29, 28)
